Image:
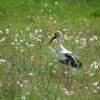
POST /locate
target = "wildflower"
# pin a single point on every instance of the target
(51, 18)
(16, 40)
(56, 2)
(23, 98)
(95, 65)
(86, 87)
(68, 93)
(1, 32)
(95, 83)
(64, 29)
(53, 71)
(28, 28)
(50, 64)
(95, 37)
(2, 61)
(27, 44)
(3, 39)
(45, 5)
(50, 10)
(65, 72)
(17, 35)
(7, 31)
(30, 35)
(85, 19)
(31, 45)
(27, 93)
(25, 81)
(91, 39)
(21, 85)
(1, 83)
(55, 22)
(18, 82)
(77, 41)
(95, 91)
(98, 87)
(21, 40)
(22, 50)
(35, 31)
(91, 74)
(42, 10)
(40, 30)
(12, 43)
(38, 40)
(30, 74)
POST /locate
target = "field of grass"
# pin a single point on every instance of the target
(29, 68)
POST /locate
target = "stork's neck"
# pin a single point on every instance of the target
(59, 42)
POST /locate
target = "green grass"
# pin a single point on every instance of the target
(79, 22)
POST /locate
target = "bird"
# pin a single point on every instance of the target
(65, 56)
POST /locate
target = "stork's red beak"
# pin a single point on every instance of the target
(52, 39)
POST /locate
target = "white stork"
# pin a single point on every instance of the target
(65, 56)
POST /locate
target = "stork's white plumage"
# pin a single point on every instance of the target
(65, 56)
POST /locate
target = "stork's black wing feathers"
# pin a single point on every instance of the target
(73, 60)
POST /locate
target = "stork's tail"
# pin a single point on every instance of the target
(79, 64)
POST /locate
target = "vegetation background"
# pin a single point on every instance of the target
(29, 69)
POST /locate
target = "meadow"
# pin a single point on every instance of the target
(29, 68)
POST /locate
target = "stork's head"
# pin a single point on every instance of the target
(57, 36)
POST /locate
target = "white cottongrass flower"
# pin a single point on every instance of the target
(30, 35)
(55, 22)
(20, 84)
(86, 87)
(40, 30)
(16, 40)
(91, 74)
(95, 91)
(51, 18)
(1, 32)
(27, 93)
(28, 28)
(36, 31)
(46, 5)
(31, 45)
(64, 29)
(24, 81)
(1, 83)
(93, 38)
(22, 50)
(95, 65)
(56, 2)
(42, 10)
(17, 35)
(21, 40)
(38, 40)
(50, 10)
(30, 74)
(2, 61)
(3, 39)
(77, 41)
(95, 83)
(65, 72)
(7, 31)
(68, 93)
(12, 43)
(23, 98)
(50, 64)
